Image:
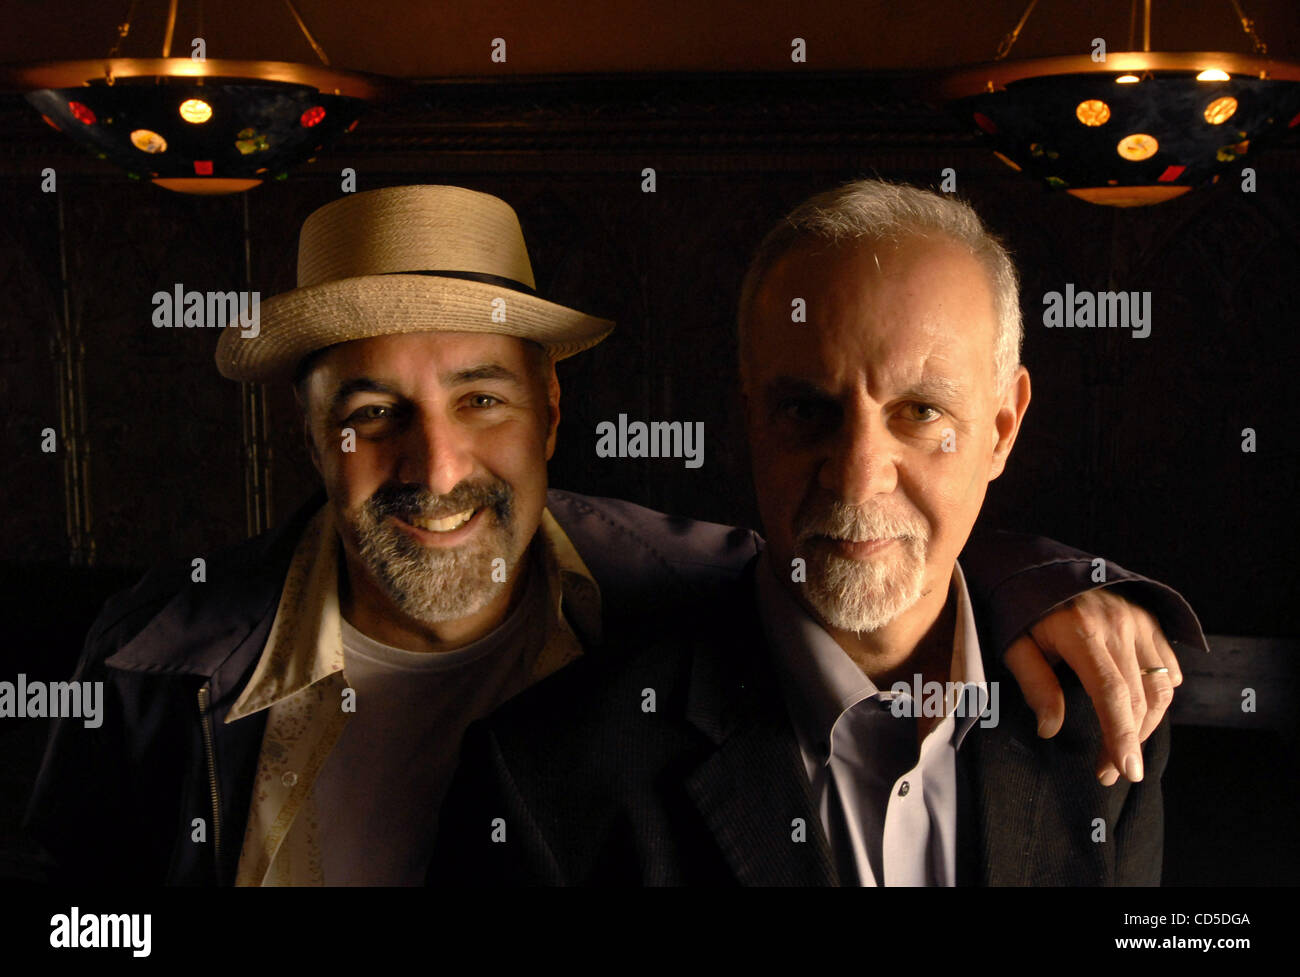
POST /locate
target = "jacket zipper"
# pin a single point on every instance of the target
(206, 719)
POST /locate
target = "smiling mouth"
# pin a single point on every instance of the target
(445, 525)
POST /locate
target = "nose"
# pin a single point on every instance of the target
(861, 463)
(436, 452)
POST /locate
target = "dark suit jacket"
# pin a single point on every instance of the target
(164, 755)
(710, 788)
(160, 760)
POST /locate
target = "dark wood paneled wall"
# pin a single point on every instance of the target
(1131, 447)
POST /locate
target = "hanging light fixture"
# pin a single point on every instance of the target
(1134, 128)
(195, 125)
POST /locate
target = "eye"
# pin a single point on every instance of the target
(802, 410)
(921, 413)
(371, 412)
(482, 400)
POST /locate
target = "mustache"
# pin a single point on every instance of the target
(839, 521)
(408, 502)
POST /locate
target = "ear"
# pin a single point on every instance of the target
(1011, 412)
(552, 407)
(304, 412)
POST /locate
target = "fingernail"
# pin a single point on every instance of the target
(1133, 767)
(1109, 777)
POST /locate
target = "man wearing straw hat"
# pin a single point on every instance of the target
(296, 718)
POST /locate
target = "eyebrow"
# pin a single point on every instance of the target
(454, 378)
(787, 386)
(936, 387)
(484, 371)
(359, 385)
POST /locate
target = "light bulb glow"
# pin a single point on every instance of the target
(195, 110)
(1137, 146)
(1093, 112)
(1220, 110)
(148, 141)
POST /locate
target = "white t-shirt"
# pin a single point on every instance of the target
(377, 795)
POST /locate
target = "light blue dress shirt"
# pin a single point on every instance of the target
(889, 811)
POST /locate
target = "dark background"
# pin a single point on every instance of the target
(1131, 448)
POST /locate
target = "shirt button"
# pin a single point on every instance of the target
(903, 788)
(289, 778)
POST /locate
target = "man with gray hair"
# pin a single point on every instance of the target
(837, 718)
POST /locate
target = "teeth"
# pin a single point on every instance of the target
(444, 525)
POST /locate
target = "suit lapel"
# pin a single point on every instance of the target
(1000, 788)
(1005, 786)
(217, 633)
(752, 785)
(751, 790)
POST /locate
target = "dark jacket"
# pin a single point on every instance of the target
(119, 803)
(576, 781)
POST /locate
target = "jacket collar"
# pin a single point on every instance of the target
(752, 786)
(218, 629)
(305, 643)
(205, 629)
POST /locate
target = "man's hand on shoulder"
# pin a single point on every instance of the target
(1117, 649)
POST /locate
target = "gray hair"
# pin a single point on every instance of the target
(878, 210)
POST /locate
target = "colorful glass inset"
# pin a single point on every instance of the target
(148, 141)
(1137, 146)
(195, 110)
(251, 141)
(1092, 112)
(1220, 110)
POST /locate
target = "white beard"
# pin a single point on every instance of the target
(864, 595)
(861, 595)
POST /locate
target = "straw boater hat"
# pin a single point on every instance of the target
(399, 260)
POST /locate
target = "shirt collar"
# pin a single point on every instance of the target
(821, 682)
(305, 644)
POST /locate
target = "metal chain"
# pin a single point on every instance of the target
(320, 51)
(1248, 26)
(123, 29)
(1009, 40)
